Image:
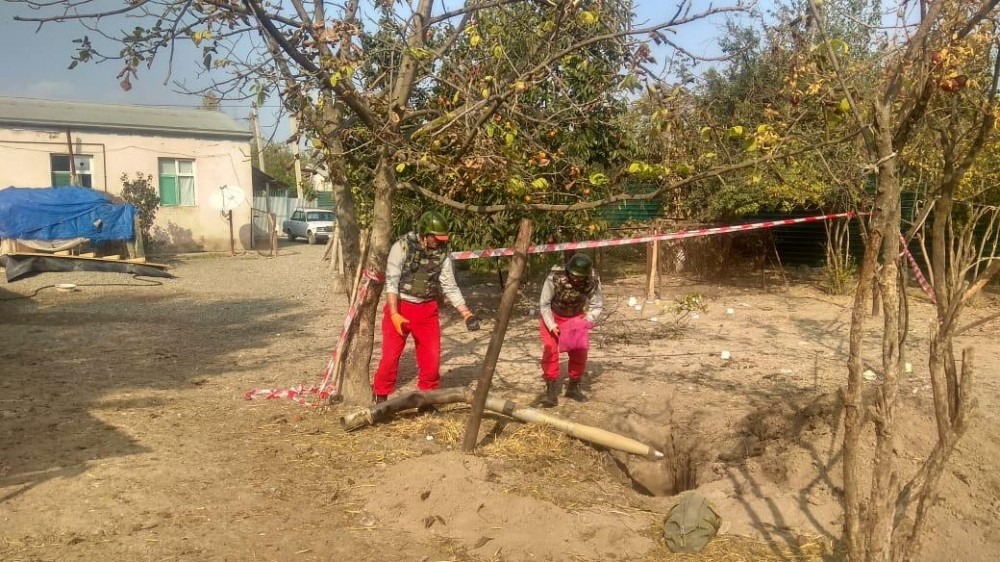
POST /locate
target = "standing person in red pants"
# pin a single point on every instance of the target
(417, 273)
(570, 292)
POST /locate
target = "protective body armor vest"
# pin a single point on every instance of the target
(421, 270)
(568, 300)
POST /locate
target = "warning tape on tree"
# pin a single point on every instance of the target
(318, 394)
(928, 290)
(681, 234)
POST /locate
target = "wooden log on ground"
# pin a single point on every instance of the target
(384, 411)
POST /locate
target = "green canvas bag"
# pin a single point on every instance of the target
(690, 524)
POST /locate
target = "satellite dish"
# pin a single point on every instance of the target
(227, 198)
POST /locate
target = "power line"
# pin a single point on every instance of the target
(169, 105)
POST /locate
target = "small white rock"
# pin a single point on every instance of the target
(725, 355)
(695, 316)
(730, 311)
(908, 367)
(654, 319)
(632, 301)
(430, 437)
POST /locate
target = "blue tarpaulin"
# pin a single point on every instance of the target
(61, 213)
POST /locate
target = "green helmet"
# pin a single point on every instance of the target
(580, 265)
(432, 222)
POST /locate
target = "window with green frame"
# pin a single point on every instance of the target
(61, 169)
(177, 183)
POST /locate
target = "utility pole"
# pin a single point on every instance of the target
(294, 124)
(258, 139)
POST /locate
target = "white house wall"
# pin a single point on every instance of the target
(25, 162)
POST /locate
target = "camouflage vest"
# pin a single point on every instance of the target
(568, 300)
(421, 269)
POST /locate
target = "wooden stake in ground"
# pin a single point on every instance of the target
(272, 225)
(232, 238)
(653, 269)
(137, 247)
(499, 331)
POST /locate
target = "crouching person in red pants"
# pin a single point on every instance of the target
(418, 272)
(570, 292)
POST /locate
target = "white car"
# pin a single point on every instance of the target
(311, 224)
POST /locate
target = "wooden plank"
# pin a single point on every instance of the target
(85, 258)
(62, 253)
(136, 260)
(112, 257)
(87, 255)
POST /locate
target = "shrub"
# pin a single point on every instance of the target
(141, 193)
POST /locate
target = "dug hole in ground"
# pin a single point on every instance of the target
(124, 434)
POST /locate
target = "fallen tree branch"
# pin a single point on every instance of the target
(383, 411)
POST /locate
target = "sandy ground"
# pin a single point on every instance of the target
(124, 433)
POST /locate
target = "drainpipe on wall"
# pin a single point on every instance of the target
(73, 179)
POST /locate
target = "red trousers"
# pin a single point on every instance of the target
(550, 353)
(426, 329)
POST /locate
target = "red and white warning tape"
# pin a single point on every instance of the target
(928, 290)
(542, 248)
(315, 395)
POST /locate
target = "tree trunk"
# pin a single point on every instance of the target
(358, 350)
(347, 218)
(853, 402)
(885, 485)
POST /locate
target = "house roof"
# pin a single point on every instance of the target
(52, 114)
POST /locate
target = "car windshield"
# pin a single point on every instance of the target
(320, 216)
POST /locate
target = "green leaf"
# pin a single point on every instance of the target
(400, 167)
(587, 19)
(840, 45)
(597, 178)
(540, 183)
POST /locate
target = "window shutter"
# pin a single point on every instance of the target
(168, 191)
(60, 179)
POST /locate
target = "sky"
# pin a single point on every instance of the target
(37, 61)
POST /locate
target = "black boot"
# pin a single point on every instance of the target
(551, 397)
(573, 391)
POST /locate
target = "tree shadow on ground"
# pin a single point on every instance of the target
(63, 358)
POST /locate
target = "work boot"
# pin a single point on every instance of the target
(551, 397)
(379, 398)
(573, 391)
